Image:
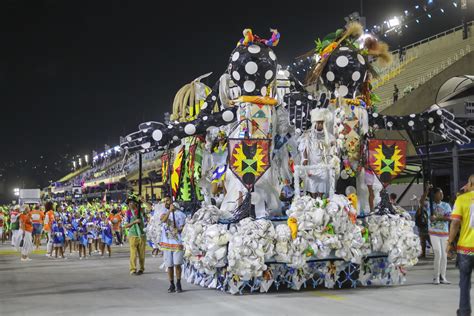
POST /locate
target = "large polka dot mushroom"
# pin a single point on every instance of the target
(253, 68)
(344, 72)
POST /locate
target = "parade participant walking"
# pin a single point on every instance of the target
(462, 222)
(137, 239)
(421, 220)
(25, 244)
(438, 229)
(105, 235)
(15, 225)
(173, 220)
(59, 237)
(116, 220)
(37, 217)
(48, 225)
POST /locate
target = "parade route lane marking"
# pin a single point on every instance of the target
(328, 295)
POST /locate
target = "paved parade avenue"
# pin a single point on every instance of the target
(99, 286)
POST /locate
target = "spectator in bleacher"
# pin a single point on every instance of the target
(395, 93)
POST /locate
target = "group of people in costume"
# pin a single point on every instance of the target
(65, 228)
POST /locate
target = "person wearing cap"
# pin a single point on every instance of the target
(173, 220)
(136, 235)
(315, 147)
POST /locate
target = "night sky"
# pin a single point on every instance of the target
(78, 74)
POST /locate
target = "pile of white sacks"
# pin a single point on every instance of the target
(205, 241)
(393, 234)
(251, 245)
(322, 229)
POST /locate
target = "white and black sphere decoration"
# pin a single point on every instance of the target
(345, 69)
(252, 68)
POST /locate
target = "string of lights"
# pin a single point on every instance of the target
(416, 14)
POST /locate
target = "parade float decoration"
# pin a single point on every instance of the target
(231, 150)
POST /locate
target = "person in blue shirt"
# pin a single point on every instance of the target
(59, 237)
(173, 220)
(105, 235)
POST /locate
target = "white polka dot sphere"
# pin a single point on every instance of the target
(251, 68)
(249, 86)
(355, 75)
(228, 116)
(254, 49)
(342, 91)
(235, 56)
(269, 74)
(330, 76)
(272, 55)
(190, 129)
(157, 135)
(236, 75)
(342, 61)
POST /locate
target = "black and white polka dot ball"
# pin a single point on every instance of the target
(344, 73)
(253, 68)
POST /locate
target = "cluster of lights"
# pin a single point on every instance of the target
(393, 25)
(396, 24)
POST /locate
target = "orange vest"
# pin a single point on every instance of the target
(37, 217)
(48, 221)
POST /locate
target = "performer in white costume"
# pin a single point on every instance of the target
(317, 150)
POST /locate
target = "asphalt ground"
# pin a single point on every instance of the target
(103, 286)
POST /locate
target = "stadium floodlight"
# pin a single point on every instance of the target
(80, 161)
(74, 164)
(86, 159)
(16, 191)
(362, 38)
(394, 22)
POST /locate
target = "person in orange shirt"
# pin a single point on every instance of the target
(48, 224)
(26, 230)
(37, 217)
(116, 220)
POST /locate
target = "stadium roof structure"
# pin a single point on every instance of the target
(453, 87)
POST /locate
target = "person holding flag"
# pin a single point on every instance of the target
(136, 234)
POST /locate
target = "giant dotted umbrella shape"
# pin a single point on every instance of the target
(253, 68)
(344, 72)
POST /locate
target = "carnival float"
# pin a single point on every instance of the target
(283, 176)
